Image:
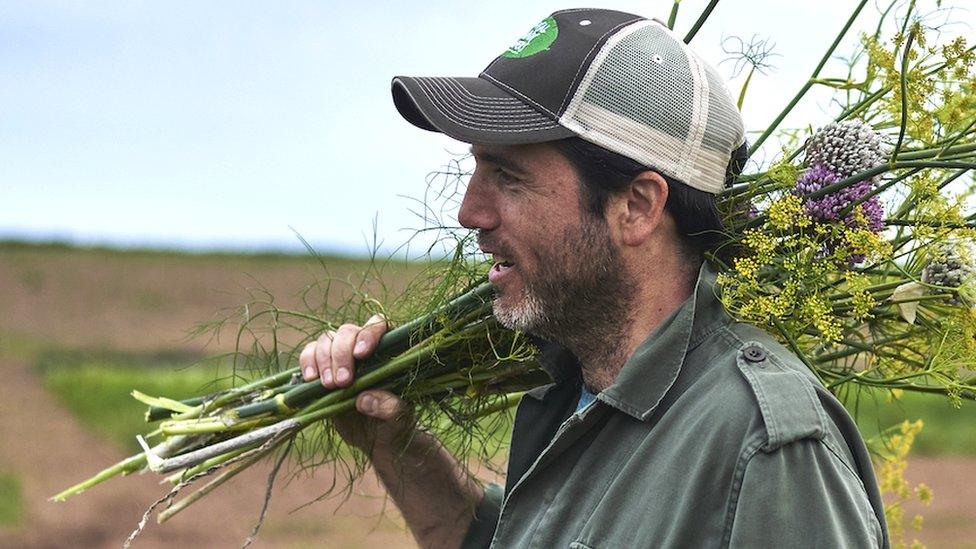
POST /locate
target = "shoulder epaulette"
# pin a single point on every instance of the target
(787, 398)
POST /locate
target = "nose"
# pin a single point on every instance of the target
(479, 208)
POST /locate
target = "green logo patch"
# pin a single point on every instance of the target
(539, 38)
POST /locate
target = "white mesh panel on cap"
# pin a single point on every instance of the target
(647, 96)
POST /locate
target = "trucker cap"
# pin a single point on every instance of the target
(618, 80)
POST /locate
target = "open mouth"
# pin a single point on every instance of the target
(499, 268)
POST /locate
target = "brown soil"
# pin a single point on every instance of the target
(950, 520)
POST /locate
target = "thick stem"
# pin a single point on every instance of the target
(674, 14)
(128, 465)
(196, 457)
(904, 94)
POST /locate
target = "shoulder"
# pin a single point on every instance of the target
(749, 375)
(784, 389)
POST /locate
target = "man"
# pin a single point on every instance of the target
(601, 141)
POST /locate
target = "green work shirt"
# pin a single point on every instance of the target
(713, 435)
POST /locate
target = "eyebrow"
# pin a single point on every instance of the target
(502, 161)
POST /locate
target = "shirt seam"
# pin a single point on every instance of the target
(868, 511)
(737, 477)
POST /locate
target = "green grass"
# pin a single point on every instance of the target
(98, 391)
(11, 503)
(946, 430)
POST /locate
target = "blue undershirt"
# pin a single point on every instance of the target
(585, 399)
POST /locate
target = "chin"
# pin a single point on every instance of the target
(523, 313)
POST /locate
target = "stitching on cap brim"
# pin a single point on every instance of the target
(473, 110)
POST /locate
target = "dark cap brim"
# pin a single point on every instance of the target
(473, 110)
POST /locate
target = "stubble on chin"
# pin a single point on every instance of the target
(526, 313)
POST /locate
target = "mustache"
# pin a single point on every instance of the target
(496, 245)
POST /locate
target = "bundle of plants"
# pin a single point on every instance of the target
(453, 364)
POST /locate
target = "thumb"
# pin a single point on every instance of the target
(381, 405)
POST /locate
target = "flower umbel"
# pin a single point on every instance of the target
(845, 148)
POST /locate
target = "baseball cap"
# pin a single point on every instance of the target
(618, 80)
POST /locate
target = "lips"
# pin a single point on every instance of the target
(501, 265)
(499, 270)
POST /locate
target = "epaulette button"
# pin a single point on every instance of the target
(754, 353)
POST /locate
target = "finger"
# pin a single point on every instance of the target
(381, 405)
(323, 358)
(370, 335)
(342, 359)
(306, 362)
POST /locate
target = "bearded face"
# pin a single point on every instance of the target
(573, 282)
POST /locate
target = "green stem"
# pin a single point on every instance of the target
(462, 309)
(938, 152)
(745, 86)
(212, 485)
(796, 349)
(935, 223)
(128, 465)
(904, 92)
(674, 14)
(701, 21)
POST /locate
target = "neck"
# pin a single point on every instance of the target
(603, 350)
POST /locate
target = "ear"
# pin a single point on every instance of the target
(639, 210)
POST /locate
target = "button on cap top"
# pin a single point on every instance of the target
(753, 353)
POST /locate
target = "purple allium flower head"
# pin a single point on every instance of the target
(830, 206)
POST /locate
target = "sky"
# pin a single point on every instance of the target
(236, 125)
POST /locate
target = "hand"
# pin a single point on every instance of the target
(382, 417)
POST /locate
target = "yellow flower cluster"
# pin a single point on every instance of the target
(948, 87)
(765, 309)
(891, 478)
(787, 213)
(818, 312)
(760, 244)
(859, 241)
(861, 300)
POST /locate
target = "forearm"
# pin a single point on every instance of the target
(434, 493)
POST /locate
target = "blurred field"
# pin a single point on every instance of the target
(79, 329)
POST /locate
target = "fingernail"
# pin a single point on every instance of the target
(369, 403)
(309, 372)
(342, 375)
(327, 376)
(361, 346)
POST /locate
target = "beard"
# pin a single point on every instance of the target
(579, 296)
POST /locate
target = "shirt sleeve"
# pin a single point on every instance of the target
(802, 494)
(482, 528)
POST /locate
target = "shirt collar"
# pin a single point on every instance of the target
(653, 368)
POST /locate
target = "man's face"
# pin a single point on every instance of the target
(555, 264)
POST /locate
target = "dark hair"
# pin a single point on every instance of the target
(604, 173)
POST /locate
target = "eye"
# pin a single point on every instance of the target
(505, 177)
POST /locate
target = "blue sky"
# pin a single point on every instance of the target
(225, 124)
